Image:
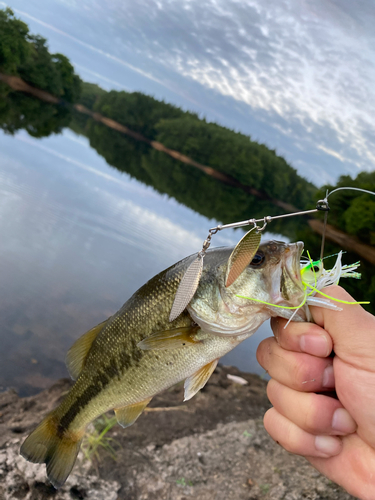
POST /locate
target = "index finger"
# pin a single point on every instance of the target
(302, 337)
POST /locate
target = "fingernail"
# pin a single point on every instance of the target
(328, 445)
(343, 422)
(328, 377)
(317, 345)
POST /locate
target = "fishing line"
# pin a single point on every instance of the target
(351, 188)
(324, 258)
(325, 201)
(324, 228)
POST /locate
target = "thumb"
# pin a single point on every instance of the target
(352, 329)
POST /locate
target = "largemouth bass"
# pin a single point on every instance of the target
(125, 361)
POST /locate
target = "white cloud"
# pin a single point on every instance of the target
(308, 64)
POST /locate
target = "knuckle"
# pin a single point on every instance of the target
(271, 390)
(302, 373)
(264, 352)
(290, 440)
(312, 415)
(270, 422)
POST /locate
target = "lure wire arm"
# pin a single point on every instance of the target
(265, 220)
(322, 205)
(190, 281)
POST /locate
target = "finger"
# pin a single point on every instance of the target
(353, 468)
(352, 329)
(314, 413)
(296, 440)
(302, 337)
(298, 371)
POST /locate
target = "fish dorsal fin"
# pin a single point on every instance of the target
(170, 339)
(242, 255)
(127, 415)
(198, 380)
(77, 354)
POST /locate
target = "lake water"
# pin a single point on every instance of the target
(78, 237)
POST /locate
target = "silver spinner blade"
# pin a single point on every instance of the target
(242, 255)
(187, 287)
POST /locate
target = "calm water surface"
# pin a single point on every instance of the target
(78, 238)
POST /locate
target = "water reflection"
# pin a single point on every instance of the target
(78, 238)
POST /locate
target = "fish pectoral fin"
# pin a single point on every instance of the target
(170, 339)
(77, 354)
(198, 380)
(127, 415)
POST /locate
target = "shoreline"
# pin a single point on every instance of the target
(213, 447)
(348, 242)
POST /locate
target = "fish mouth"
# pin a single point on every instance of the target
(290, 291)
(292, 261)
(292, 269)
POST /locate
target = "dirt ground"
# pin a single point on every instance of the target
(213, 447)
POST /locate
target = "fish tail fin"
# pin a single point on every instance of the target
(57, 450)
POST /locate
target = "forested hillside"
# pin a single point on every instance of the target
(232, 153)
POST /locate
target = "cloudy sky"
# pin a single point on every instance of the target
(297, 75)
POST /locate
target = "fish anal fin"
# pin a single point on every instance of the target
(171, 339)
(77, 354)
(127, 415)
(198, 380)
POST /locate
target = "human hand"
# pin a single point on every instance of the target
(337, 436)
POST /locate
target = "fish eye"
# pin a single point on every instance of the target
(316, 269)
(258, 259)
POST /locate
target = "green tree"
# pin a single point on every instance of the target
(140, 112)
(39, 119)
(90, 94)
(27, 56)
(360, 218)
(14, 46)
(236, 155)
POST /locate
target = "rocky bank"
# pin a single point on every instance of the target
(213, 447)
